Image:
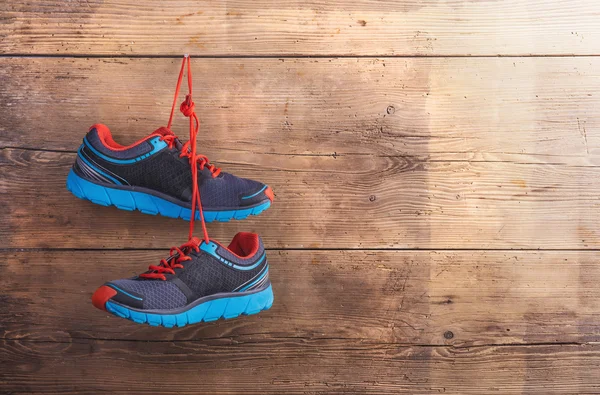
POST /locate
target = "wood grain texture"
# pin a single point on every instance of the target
(534, 110)
(295, 366)
(365, 27)
(327, 202)
(384, 127)
(365, 297)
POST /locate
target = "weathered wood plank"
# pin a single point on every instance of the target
(295, 366)
(366, 27)
(362, 297)
(325, 202)
(535, 110)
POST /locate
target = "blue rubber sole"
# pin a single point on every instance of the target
(212, 310)
(149, 204)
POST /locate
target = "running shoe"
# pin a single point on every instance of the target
(154, 176)
(201, 280)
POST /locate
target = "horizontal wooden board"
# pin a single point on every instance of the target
(325, 202)
(364, 27)
(534, 110)
(458, 298)
(294, 366)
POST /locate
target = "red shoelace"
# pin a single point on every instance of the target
(179, 254)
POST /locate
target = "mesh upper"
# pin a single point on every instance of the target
(227, 190)
(167, 173)
(204, 275)
(157, 294)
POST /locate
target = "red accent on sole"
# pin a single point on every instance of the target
(269, 193)
(101, 296)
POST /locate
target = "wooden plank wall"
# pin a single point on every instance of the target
(435, 165)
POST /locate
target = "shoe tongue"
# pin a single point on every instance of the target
(163, 131)
(196, 241)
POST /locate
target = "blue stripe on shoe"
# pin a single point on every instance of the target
(127, 199)
(157, 145)
(122, 291)
(212, 310)
(211, 249)
(95, 168)
(254, 194)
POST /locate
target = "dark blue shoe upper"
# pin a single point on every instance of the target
(211, 271)
(152, 165)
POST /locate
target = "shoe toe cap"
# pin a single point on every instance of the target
(269, 194)
(257, 194)
(103, 295)
(111, 292)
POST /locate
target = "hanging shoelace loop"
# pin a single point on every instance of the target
(180, 254)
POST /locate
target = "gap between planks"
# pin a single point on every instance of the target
(304, 338)
(342, 154)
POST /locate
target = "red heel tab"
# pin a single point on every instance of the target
(245, 244)
(101, 296)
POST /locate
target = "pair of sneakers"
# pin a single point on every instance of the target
(202, 280)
